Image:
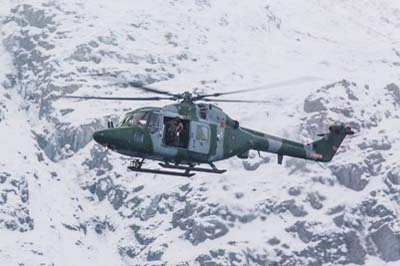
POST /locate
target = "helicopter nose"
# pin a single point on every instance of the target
(100, 137)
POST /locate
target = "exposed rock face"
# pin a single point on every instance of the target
(29, 59)
(344, 248)
(394, 90)
(351, 176)
(394, 175)
(387, 243)
(14, 203)
(60, 190)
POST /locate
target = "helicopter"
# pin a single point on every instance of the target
(194, 131)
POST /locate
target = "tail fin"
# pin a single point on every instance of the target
(325, 148)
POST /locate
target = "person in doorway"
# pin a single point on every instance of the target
(172, 125)
(175, 130)
(179, 133)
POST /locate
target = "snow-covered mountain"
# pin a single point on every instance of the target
(64, 200)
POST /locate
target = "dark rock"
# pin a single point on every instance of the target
(395, 91)
(92, 188)
(24, 193)
(300, 228)
(98, 159)
(311, 105)
(93, 44)
(376, 145)
(336, 209)
(339, 220)
(295, 210)
(117, 196)
(182, 214)
(253, 258)
(137, 189)
(239, 195)
(28, 15)
(206, 260)
(371, 209)
(40, 157)
(387, 243)
(328, 249)
(196, 234)
(3, 198)
(234, 259)
(82, 53)
(129, 251)
(315, 200)
(393, 175)
(350, 176)
(215, 229)
(103, 187)
(374, 163)
(347, 112)
(152, 209)
(274, 241)
(108, 40)
(355, 251)
(217, 253)
(133, 202)
(3, 177)
(99, 228)
(246, 218)
(70, 227)
(184, 187)
(154, 255)
(142, 240)
(294, 191)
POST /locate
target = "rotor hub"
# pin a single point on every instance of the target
(187, 97)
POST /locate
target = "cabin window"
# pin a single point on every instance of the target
(202, 133)
(203, 111)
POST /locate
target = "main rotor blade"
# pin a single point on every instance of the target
(137, 85)
(233, 101)
(268, 86)
(147, 88)
(119, 98)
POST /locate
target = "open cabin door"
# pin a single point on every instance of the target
(199, 137)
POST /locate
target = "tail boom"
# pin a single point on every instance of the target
(322, 150)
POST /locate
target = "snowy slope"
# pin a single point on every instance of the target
(64, 200)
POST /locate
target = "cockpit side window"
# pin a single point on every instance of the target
(138, 119)
(153, 122)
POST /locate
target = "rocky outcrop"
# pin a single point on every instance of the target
(14, 203)
(394, 175)
(350, 176)
(387, 243)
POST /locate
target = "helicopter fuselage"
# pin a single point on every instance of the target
(203, 133)
(208, 135)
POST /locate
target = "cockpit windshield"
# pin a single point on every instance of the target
(139, 119)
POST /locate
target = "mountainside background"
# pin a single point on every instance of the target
(65, 200)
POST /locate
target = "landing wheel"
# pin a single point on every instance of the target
(137, 164)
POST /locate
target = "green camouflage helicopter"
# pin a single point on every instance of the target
(194, 131)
